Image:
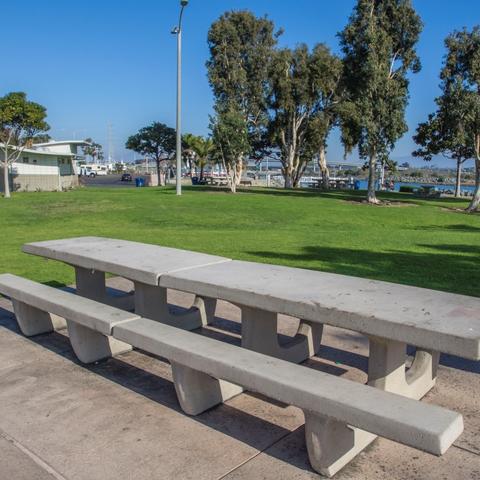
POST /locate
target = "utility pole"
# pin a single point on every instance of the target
(178, 32)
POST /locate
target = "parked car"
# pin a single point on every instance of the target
(126, 177)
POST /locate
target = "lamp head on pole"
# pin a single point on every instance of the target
(184, 3)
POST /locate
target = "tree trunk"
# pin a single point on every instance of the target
(238, 172)
(201, 172)
(372, 165)
(322, 163)
(475, 202)
(458, 181)
(159, 175)
(6, 181)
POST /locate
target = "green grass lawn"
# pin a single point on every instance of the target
(419, 242)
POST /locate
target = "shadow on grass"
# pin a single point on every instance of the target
(463, 228)
(440, 270)
(347, 195)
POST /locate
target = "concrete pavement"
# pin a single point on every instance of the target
(119, 419)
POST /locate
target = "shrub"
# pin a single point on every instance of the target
(406, 189)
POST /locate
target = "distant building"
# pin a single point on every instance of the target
(45, 167)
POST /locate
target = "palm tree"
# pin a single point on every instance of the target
(197, 150)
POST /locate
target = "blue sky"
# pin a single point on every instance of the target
(92, 63)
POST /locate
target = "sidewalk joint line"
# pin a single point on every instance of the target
(34, 457)
(258, 453)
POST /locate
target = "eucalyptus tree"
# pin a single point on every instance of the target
(21, 121)
(303, 98)
(461, 77)
(241, 47)
(157, 141)
(378, 45)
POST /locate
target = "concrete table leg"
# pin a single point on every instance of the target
(197, 391)
(33, 321)
(259, 333)
(151, 302)
(332, 444)
(91, 346)
(387, 371)
(91, 284)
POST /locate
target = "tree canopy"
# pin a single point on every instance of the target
(303, 95)
(461, 81)
(157, 142)
(21, 120)
(241, 47)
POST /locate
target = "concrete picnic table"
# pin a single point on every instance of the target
(143, 264)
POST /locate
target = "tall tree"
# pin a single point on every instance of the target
(379, 50)
(241, 46)
(461, 79)
(156, 141)
(20, 121)
(93, 149)
(304, 93)
(230, 144)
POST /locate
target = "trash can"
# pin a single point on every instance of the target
(139, 182)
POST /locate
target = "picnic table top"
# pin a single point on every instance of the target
(440, 321)
(133, 260)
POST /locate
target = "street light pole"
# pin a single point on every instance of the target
(178, 32)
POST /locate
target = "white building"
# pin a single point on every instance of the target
(45, 167)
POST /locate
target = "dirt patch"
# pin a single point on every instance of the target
(383, 203)
(458, 210)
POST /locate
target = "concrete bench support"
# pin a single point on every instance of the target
(91, 284)
(91, 346)
(33, 321)
(197, 391)
(151, 302)
(259, 333)
(332, 444)
(387, 370)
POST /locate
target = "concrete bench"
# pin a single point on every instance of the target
(391, 315)
(141, 263)
(42, 309)
(341, 417)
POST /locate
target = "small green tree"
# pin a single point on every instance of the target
(444, 133)
(157, 141)
(379, 50)
(94, 150)
(230, 144)
(20, 122)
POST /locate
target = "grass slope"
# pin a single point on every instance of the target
(417, 242)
